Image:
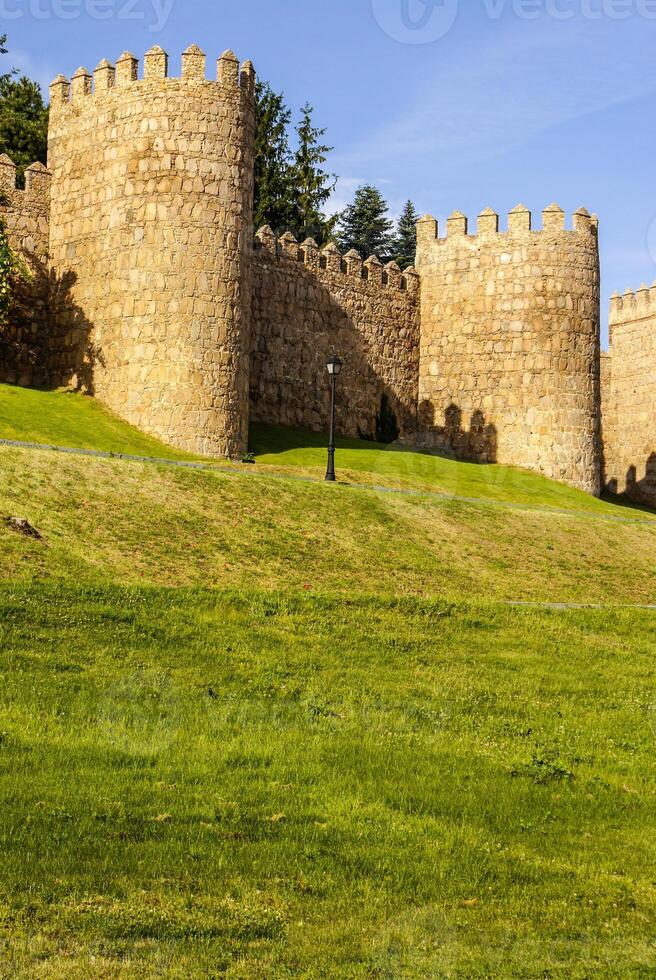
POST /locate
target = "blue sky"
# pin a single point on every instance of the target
(455, 103)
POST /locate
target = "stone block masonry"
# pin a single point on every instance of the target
(308, 304)
(150, 290)
(509, 361)
(26, 343)
(629, 396)
(151, 223)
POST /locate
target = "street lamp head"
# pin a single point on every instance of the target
(334, 365)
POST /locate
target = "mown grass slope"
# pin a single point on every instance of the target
(62, 418)
(253, 726)
(65, 418)
(259, 785)
(116, 521)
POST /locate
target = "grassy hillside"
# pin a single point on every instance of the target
(257, 785)
(258, 727)
(394, 466)
(106, 520)
(63, 418)
(72, 420)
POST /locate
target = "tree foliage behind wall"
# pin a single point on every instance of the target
(23, 120)
(291, 185)
(406, 236)
(365, 225)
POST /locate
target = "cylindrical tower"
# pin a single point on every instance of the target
(150, 239)
(509, 348)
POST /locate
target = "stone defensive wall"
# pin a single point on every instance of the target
(629, 396)
(308, 303)
(25, 343)
(152, 184)
(510, 351)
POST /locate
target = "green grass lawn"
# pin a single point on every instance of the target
(64, 418)
(396, 466)
(109, 521)
(244, 784)
(254, 727)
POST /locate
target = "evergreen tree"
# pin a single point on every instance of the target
(3, 50)
(365, 225)
(312, 184)
(274, 199)
(406, 236)
(23, 120)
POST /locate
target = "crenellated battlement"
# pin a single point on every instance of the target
(108, 77)
(35, 196)
(182, 324)
(510, 334)
(520, 223)
(330, 259)
(152, 200)
(633, 305)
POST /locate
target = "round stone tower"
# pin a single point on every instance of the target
(150, 241)
(509, 347)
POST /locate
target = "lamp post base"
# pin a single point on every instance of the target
(330, 473)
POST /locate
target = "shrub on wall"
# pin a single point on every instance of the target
(12, 268)
(387, 427)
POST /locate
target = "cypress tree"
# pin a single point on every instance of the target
(274, 200)
(312, 184)
(406, 236)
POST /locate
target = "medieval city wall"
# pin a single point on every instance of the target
(150, 237)
(509, 361)
(25, 341)
(629, 396)
(308, 304)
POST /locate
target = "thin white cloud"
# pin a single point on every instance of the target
(491, 97)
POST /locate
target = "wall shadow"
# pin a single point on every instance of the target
(46, 342)
(298, 322)
(641, 492)
(477, 443)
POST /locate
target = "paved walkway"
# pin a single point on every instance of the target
(604, 607)
(249, 471)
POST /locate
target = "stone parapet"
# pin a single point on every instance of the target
(509, 363)
(151, 223)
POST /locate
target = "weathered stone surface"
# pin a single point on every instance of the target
(307, 306)
(146, 291)
(26, 343)
(629, 396)
(509, 363)
(150, 222)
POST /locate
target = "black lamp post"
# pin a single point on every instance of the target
(334, 366)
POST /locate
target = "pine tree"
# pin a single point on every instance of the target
(312, 184)
(365, 225)
(23, 119)
(406, 236)
(274, 198)
(3, 50)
